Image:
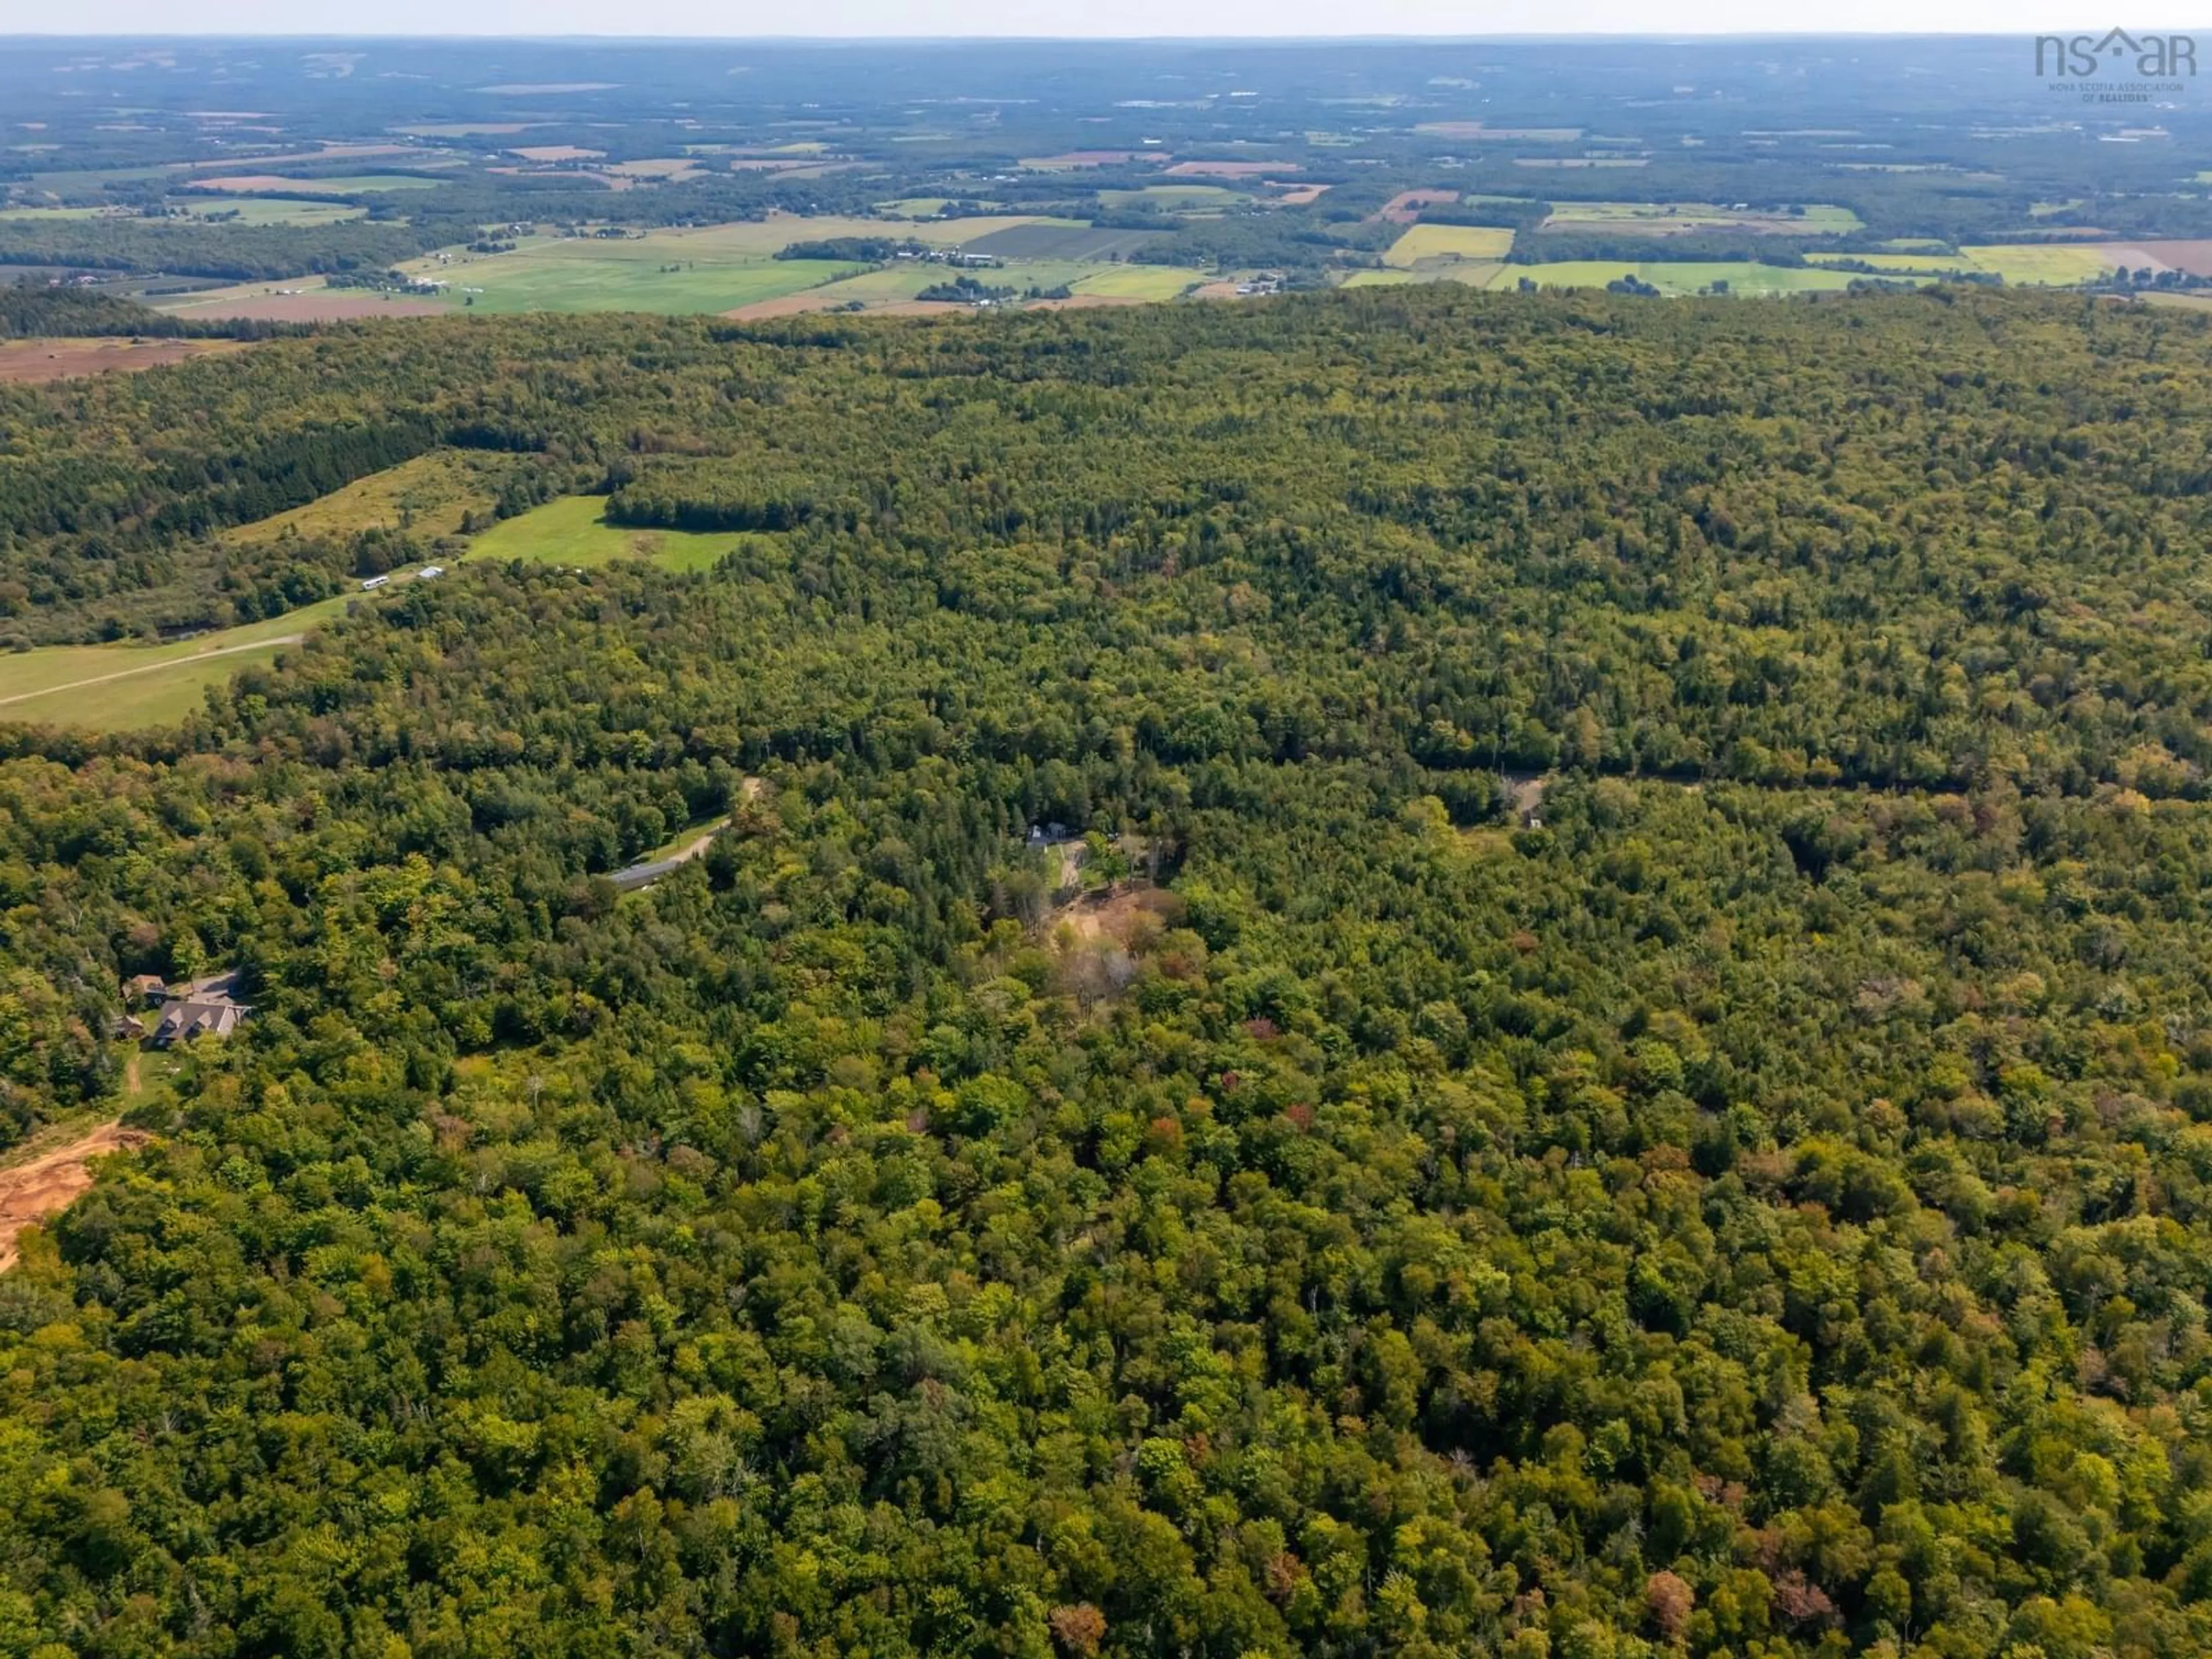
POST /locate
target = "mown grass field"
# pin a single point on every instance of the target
(1449, 242)
(344, 183)
(1901, 265)
(710, 268)
(657, 274)
(1745, 278)
(111, 688)
(572, 532)
(1471, 273)
(269, 209)
(1172, 198)
(2055, 265)
(1054, 239)
(1814, 218)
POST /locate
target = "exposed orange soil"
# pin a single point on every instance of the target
(1406, 206)
(1120, 914)
(59, 359)
(1300, 195)
(48, 1184)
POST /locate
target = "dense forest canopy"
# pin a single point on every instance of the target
(1746, 1195)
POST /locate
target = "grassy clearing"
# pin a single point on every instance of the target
(915, 207)
(1448, 242)
(572, 530)
(1136, 281)
(673, 272)
(122, 687)
(269, 209)
(158, 697)
(1744, 278)
(657, 273)
(1809, 219)
(1172, 197)
(2055, 265)
(1055, 239)
(1901, 265)
(427, 496)
(271, 184)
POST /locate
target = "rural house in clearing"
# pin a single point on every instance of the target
(200, 1007)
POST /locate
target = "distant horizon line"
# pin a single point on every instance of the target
(1547, 38)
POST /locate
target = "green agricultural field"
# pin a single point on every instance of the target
(667, 274)
(888, 286)
(115, 687)
(572, 530)
(2052, 265)
(1172, 198)
(1812, 219)
(1136, 281)
(269, 210)
(13, 212)
(345, 184)
(1745, 278)
(915, 207)
(1054, 239)
(158, 697)
(1449, 242)
(1901, 264)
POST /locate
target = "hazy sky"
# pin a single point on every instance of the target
(902, 18)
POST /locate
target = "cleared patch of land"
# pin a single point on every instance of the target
(1469, 273)
(1091, 158)
(58, 360)
(2053, 265)
(1438, 244)
(1128, 282)
(271, 210)
(572, 531)
(1230, 169)
(670, 273)
(2193, 257)
(47, 1182)
(1171, 197)
(555, 153)
(1406, 206)
(465, 128)
(427, 496)
(305, 301)
(1057, 239)
(1677, 278)
(1476, 130)
(278, 184)
(1689, 218)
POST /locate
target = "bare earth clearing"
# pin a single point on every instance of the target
(58, 360)
(1405, 207)
(318, 308)
(48, 1184)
